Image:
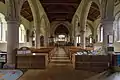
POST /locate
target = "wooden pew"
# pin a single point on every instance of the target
(49, 50)
(36, 59)
(73, 50)
(29, 61)
(96, 63)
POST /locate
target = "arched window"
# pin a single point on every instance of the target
(3, 28)
(22, 33)
(118, 30)
(78, 39)
(100, 33)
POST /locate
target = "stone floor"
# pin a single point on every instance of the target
(59, 68)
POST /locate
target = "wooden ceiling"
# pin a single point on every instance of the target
(94, 12)
(26, 11)
(59, 10)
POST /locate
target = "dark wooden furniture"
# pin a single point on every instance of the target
(97, 63)
(38, 61)
(3, 58)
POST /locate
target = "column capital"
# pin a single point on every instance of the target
(112, 18)
(107, 21)
(13, 22)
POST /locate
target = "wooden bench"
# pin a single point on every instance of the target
(97, 63)
(32, 61)
(37, 59)
(49, 50)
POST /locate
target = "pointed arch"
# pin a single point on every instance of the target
(100, 33)
(85, 10)
(22, 34)
(3, 28)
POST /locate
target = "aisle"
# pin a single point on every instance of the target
(59, 70)
(60, 58)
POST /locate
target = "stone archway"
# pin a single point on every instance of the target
(61, 29)
(61, 35)
(54, 25)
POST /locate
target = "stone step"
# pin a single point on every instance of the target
(59, 64)
(60, 58)
(60, 61)
(62, 55)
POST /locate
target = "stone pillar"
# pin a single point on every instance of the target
(107, 30)
(82, 37)
(12, 41)
(37, 37)
(13, 14)
(107, 21)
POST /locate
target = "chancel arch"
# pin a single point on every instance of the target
(61, 35)
(54, 25)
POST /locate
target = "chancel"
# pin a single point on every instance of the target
(59, 39)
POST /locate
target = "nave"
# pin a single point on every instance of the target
(60, 68)
(86, 31)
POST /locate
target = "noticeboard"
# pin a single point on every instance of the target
(24, 50)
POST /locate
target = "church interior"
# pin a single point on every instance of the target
(59, 39)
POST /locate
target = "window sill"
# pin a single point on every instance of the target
(99, 42)
(118, 41)
(6, 42)
(3, 41)
(22, 42)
